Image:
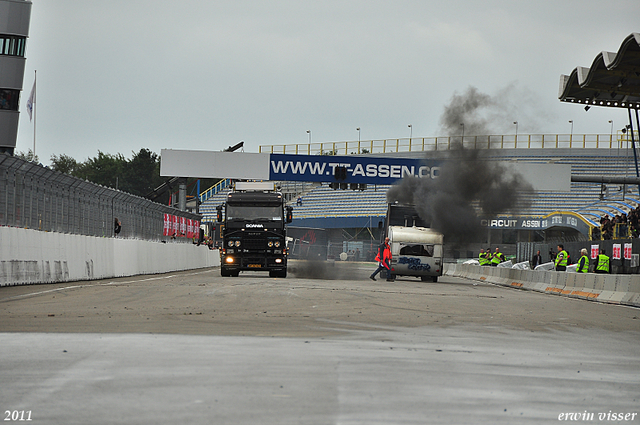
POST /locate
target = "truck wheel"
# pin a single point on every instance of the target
(224, 272)
(425, 278)
(435, 278)
(283, 273)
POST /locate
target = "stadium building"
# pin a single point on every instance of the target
(14, 30)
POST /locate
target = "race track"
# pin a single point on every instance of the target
(325, 345)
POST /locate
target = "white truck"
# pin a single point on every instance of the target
(416, 249)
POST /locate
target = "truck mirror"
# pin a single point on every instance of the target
(289, 214)
(219, 213)
(380, 225)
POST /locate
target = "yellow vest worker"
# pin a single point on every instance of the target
(561, 259)
(482, 258)
(602, 264)
(497, 258)
(583, 264)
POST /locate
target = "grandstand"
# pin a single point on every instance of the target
(324, 207)
(354, 215)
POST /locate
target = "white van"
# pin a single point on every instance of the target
(416, 251)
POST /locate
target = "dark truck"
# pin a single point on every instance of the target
(253, 230)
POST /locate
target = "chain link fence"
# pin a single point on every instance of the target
(35, 197)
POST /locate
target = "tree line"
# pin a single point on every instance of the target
(139, 175)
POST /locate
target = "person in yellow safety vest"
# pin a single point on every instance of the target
(482, 258)
(497, 258)
(561, 259)
(583, 262)
(602, 262)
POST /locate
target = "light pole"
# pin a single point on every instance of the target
(516, 124)
(571, 134)
(611, 133)
(358, 130)
(410, 132)
(309, 133)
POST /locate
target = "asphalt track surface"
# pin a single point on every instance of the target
(324, 346)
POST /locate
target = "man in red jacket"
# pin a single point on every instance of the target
(384, 260)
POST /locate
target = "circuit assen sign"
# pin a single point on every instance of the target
(538, 223)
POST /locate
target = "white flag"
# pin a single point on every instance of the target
(31, 99)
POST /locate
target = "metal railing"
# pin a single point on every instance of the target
(215, 189)
(618, 231)
(520, 141)
(35, 197)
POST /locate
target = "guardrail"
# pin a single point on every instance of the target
(520, 141)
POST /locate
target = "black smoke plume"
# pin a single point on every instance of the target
(483, 114)
(468, 187)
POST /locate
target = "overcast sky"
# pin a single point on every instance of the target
(120, 75)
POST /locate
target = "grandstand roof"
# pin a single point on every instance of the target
(613, 80)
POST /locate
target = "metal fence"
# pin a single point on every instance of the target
(423, 144)
(35, 197)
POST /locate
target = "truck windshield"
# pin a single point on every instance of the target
(244, 212)
(405, 216)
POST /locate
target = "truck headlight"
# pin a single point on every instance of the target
(277, 244)
(230, 243)
(228, 260)
(237, 243)
(270, 244)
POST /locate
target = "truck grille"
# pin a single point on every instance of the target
(252, 241)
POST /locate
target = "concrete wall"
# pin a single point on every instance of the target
(30, 256)
(613, 289)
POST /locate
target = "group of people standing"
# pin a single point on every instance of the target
(601, 264)
(486, 258)
(627, 225)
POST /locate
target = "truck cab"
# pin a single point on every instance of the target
(253, 230)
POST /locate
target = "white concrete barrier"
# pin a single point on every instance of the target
(616, 289)
(31, 256)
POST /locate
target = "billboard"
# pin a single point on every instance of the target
(363, 169)
(357, 169)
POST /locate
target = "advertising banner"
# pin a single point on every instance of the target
(175, 226)
(358, 169)
(617, 251)
(180, 227)
(166, 231)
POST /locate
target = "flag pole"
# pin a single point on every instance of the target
(35, 76)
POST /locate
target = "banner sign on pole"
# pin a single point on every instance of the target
(617, 251)
(595, 250)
